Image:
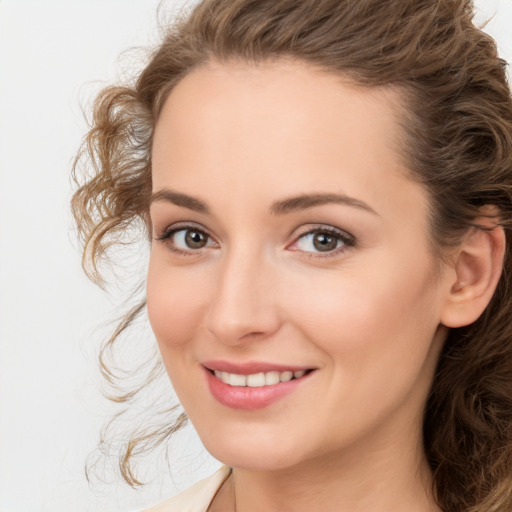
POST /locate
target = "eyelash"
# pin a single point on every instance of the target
(345, 238)
(169, 232)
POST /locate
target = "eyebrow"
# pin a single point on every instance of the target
(180, 199)
(283, 207)
(304, 201)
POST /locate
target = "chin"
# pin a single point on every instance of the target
(255, 461)
(254, 453)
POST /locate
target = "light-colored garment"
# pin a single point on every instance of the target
(196, 498)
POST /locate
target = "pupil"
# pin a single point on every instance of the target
(324, 242)
(195, 239)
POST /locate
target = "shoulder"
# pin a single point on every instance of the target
(196, 498)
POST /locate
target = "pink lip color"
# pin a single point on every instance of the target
(245, 397)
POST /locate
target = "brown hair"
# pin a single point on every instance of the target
(457, 117)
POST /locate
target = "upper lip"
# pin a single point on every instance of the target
(251, 367)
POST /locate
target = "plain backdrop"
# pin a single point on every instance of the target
(54, 55)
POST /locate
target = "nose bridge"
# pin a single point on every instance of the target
(243, 303)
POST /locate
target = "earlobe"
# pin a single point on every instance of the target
(478, 265)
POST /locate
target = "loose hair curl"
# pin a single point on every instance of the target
(457, 124)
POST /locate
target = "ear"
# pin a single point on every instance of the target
(477, 268)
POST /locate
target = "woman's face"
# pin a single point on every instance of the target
(288, 240)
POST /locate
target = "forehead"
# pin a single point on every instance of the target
(285, 93)
(283, 124)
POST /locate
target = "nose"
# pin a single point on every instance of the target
(244, 306)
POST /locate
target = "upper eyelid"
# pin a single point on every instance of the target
(178, 226)
(323, 227)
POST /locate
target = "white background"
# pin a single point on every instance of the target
(53, 56)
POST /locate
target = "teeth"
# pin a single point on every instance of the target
(286, 376)
(257, 380)
(237, 380)
(272, 378)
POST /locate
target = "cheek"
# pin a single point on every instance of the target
(365, 311)
(175, 301)
(376, 331)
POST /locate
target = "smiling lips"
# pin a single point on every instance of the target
(251, 386)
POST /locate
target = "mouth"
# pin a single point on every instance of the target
(253, 386)
(258, 380)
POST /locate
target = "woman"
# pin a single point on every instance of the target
(327, 190)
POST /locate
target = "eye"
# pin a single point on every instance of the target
(186, 239)
(190, 239)
(322, 240)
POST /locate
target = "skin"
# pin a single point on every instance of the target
(366, 315)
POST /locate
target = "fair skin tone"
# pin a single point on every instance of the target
(339, 281)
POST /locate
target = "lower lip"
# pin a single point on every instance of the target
(248, 398)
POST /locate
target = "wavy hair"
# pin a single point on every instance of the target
(457, 124)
